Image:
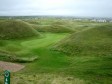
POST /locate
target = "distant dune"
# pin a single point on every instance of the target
(55, 27)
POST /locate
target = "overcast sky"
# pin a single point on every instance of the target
(94, 8)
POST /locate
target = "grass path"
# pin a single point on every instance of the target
(47, 40)
(49, 64)
(49, 61)
(95, 69)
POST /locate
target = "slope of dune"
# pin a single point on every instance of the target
(13, 29)
(96, 40)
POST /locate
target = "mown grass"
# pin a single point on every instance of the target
(92, 66)
(24, 49)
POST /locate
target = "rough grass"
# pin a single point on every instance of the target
(12, 57)
(4, 56)
(23, 50)
(13, 29)
(43, 79)
(52, 28)
(9, 54)
(84, 67)
(91, 53)
(25, 59)
(61, 26)
(96, 70)
(96, 40)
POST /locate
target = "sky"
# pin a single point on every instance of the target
(91, 8)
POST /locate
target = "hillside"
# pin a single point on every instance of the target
(96, 40)
(13, 29)
(52, 27)
(87, 58)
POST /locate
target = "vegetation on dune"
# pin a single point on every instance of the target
(13, 29)
(60, 26)
(87, 58)
(8, 56)
(43, 79)
(96, 40)
(33, 21)
(50, 26)
(22, 50)
(5, 55)
(91, 54)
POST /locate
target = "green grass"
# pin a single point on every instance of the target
(27, 48)
(87, 60)
(53, 28)
(96, 40)
(13, 29)
(91, 69)
(91, 53)
(43, 79)
(50, 62)
(96, 69)
(61, 26)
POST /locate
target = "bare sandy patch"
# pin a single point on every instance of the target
(13, 67)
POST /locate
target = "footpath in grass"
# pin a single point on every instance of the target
(91, 68)
(49, 61)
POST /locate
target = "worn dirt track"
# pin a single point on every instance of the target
(13, 67)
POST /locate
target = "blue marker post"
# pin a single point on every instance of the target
(7, 77)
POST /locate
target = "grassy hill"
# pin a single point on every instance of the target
(88, 59)
(52, 27)
(91, 54)
(61, 26)
(96, 40)
(12, 29)
(12, 57)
